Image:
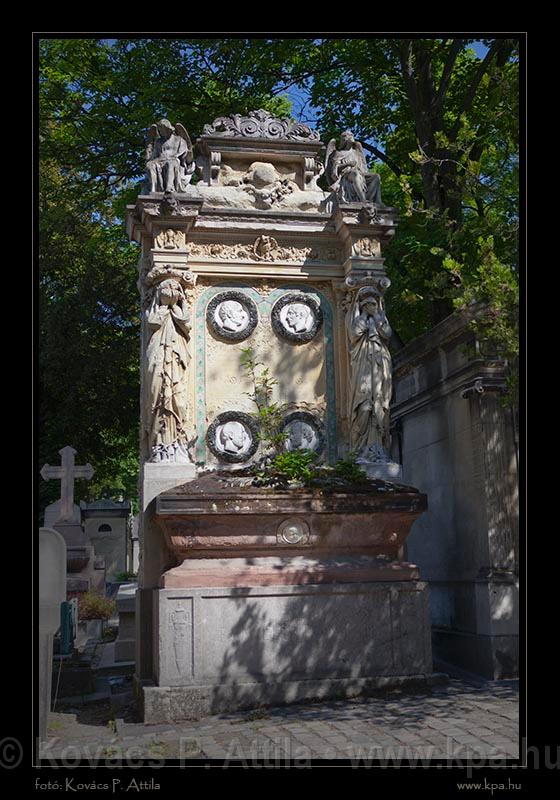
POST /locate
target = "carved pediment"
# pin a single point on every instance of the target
(261, 124)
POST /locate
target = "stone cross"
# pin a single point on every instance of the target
(66, 474)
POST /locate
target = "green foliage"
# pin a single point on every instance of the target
(290, 467)
(269, 415)
(126, 576)
(439, 123)
(97, 99)
(348, 471)
(92, 605)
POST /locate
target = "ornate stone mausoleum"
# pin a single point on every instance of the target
(248, 595)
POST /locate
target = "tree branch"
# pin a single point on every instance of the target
(454, 50)
(383, 157)
(497, 46)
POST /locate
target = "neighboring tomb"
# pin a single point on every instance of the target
(458, 443)
(107, 525)
(85, 570)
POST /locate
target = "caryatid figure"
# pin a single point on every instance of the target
(167, 358)
(368, 333)
(169, 158)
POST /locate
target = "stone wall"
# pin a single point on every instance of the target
(457, 443)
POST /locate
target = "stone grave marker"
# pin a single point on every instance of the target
(52, 592)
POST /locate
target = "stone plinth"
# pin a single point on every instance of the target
(284, 596)
(125, 644)
(230, 648)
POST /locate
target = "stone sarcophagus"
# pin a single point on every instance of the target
(228, 534)
(242, 249)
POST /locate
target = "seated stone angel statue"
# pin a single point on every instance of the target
(348, 173)
(169, 158)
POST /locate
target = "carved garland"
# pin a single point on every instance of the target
(265, 248)
(247, 422)
(291, 335)
(222, 330)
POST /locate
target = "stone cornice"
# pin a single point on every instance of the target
(490, 374)
(452, 327)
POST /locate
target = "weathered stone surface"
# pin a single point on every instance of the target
(348, 173)
(52, 592)
(256, 224)
(169, 158)
(286, 570)
(276, 644)
(209, 517)
(106, 524)
(459, 447)
(260, 124)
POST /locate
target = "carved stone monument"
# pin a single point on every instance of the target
(85, 570)
(256, 254)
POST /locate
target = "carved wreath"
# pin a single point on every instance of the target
(224, 331)
(291, 334)
(313, 422)
(221, 420)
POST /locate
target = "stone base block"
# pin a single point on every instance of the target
(159, 477)
(160, 704)
(224, 648)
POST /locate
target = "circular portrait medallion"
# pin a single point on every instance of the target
(233, 437)
(305, 432)
(297, 318)
(232, 315)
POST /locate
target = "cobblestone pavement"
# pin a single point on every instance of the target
(457, 720)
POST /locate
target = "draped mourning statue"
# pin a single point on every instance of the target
(369, 332)
(167, 358)
(169, 158)
(348, 173)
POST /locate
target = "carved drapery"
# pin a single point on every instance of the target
(370, 381)
(168, 322)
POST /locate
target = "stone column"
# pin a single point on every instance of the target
(160, 223)
(363, 227)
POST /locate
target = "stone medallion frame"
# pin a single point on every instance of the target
(264, 304)
(291, 299)
(233, 416)
(239, 297)
(313, 422)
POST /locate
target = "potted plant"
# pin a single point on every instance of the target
(94, 609)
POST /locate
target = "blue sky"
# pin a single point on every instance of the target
(304, 112)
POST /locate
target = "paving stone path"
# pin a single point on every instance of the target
(457, 720)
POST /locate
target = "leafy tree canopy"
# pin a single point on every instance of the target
(438, 122)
